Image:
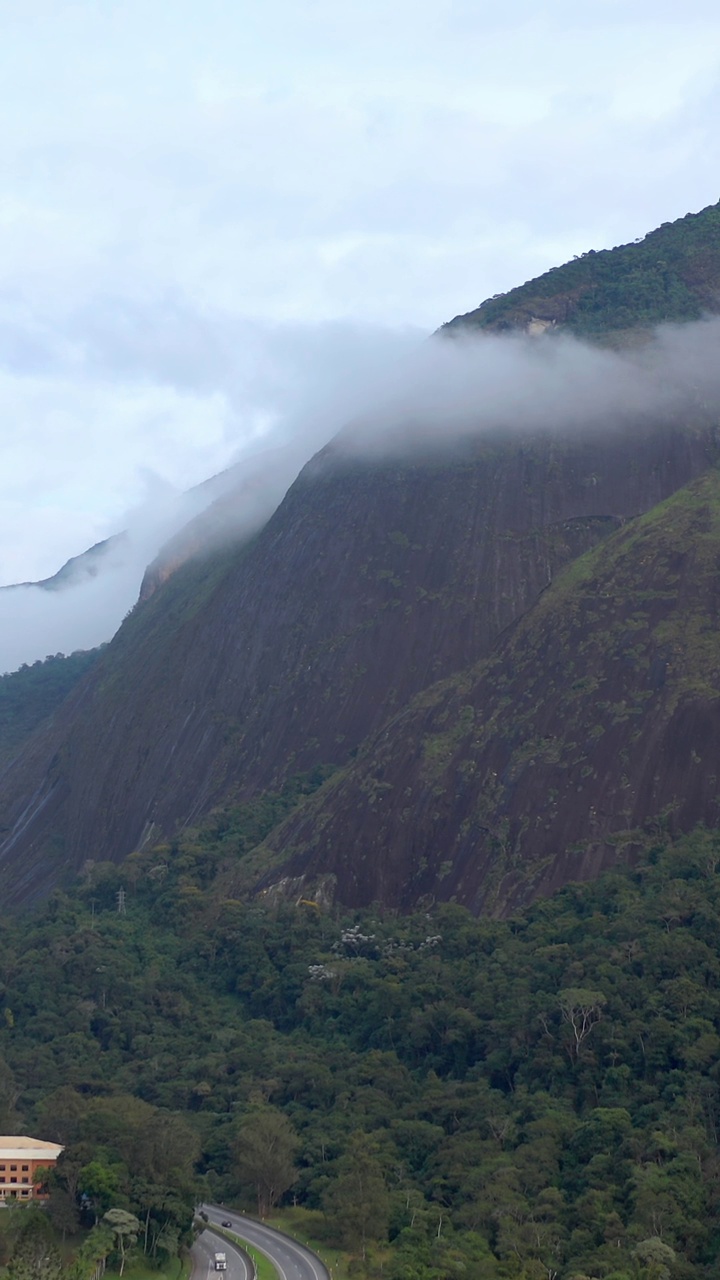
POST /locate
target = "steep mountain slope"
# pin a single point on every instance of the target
(673, 273)
(371, 582)
(377, 577)
(243, 499)
(596, 719)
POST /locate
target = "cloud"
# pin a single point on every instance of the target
(388, 398)
(130, 388)
(206, 216)
(291, 164)
(150, 402)
(465, 385)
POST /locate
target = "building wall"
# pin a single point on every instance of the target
(16, 1178)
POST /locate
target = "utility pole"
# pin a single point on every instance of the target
(92, 912)
(120, 895)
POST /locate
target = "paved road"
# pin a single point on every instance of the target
(293, 1260)
(203, 1256)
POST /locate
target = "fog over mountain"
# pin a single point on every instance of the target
(252, 400)
(468, 385)
(382, 393)
(206, 219)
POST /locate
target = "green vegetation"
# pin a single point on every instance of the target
(229, 845)
(178, 1269)
(264, 1268)
(30, 695)
(670, 274)
(452, 1097)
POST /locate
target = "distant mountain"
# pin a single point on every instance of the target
(75, 571)
(84, 603)
(242, 498)
(433, 575)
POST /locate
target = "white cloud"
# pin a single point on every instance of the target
(192, 198)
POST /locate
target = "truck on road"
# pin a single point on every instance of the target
(220, 1262)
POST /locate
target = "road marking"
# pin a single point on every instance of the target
(209, 1245)
(282, 1242)
(286, 1242)
(254, 1244)
(306, 1257)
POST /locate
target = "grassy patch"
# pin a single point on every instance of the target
(176, 1270)
(263, 1266)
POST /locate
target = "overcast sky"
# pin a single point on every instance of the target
(210, 212)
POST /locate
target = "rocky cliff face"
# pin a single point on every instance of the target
(373, 581)
(378, 579)
(595, 723)
(247, 494)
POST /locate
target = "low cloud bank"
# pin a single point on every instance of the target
(464, 386)
(388, 395)
(149, 404)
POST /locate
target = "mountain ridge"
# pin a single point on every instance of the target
(671, 274)
(599, 672)
(376, 577)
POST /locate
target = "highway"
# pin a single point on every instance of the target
(203, 1256)
(291, 1259)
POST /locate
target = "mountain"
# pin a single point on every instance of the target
(237, 503)
(79, 568)
(672, 274)
(593, 726)
(244, 495)
(84, 603)
(381, 577)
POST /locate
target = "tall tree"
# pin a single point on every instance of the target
(265, 1150)
(357, 1200)
(125, 1228)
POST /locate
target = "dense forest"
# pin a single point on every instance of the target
(528, 1099)
(668, 275)
(31, 694)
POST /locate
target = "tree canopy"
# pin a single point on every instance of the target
(500, 1100)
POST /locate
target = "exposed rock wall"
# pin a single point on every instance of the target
(595, 723)
(371, 582)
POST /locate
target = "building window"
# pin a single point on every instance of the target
(13, 1168)
(24, 1193)
(26, 1168)
(26, 1180)
(2, 1179)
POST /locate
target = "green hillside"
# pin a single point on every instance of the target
(671, 274)
(31, 694)
(462, 1098)
(595, 720)
(470, 680)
